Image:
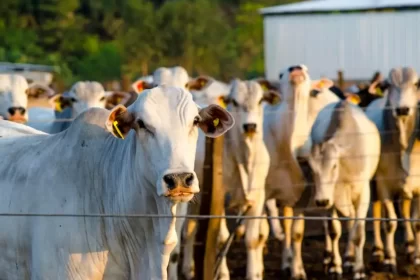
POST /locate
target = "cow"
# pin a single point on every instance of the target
(66, 106)
(395, 115)
(207, 90)
(286, 133)
(344, 156)
(127, 161)
(170, 76)
(14, 91)
(246, 162)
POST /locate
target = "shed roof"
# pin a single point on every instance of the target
(338, 5)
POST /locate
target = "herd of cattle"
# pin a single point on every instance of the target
(142, 152)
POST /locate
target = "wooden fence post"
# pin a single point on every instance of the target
(340, 79)
(212, 203)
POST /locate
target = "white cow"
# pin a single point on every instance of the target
(173, 76)
(286, 133)
(97, 166)
(68, 105)
(246, 163)
(395, 115)
(14, 90)
(344, 157)
(206, 90)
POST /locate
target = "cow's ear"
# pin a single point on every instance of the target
(139, 86)
(59, 103)
(321, 84)
(266, 84)
(198, 83)
(120, 121)
(272, 97)
(215, 121)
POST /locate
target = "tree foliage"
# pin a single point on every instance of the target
(103, 39)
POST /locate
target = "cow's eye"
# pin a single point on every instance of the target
(102, 98)
(141, 124)
(196, 120)
(73, 99)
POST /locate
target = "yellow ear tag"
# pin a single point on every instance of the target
(378, 91)
(115, 123)
(321, 84)
(216, 122)
(222, 102)
(58, 106)
(264, 87)
(353, 99)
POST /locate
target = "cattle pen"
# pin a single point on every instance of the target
(313, 245)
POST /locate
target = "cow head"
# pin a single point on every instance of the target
(295, 83)
(403, 91)
(81, 96)
(166, 122)
(324, 162)
(171, 76)
(14, 91)
(245, 102)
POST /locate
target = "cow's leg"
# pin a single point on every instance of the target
(264, 232)
(334, 228)
(409, 235)
(349, 254)
(358, 232)
(221, 240)
(416, 225)
(181, 210)
(378, 245)
(253, 239)
(188, 258)
(390, 261)
(328, 248)
(287, 250)
(298, 271)
(273, 211)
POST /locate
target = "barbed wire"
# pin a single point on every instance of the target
(201, 217)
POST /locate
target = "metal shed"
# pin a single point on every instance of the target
(356, 36)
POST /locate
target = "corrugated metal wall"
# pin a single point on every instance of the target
(359, 44)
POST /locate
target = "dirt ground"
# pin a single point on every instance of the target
(312, 251)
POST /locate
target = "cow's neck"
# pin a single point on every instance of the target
(122, 189)
(245, 151)
(298, 113)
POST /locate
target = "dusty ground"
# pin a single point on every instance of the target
(313, 248)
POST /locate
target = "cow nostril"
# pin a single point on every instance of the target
(250, 127)
(12, 110)
(189, 179)
(170, 181)
(402, 111)
(322, 202)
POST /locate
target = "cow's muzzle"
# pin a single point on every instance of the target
(402, 111)
(180, 186)
(17, 114)
(297, 75)
(250, 129)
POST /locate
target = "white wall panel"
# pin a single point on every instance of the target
(358, 43)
